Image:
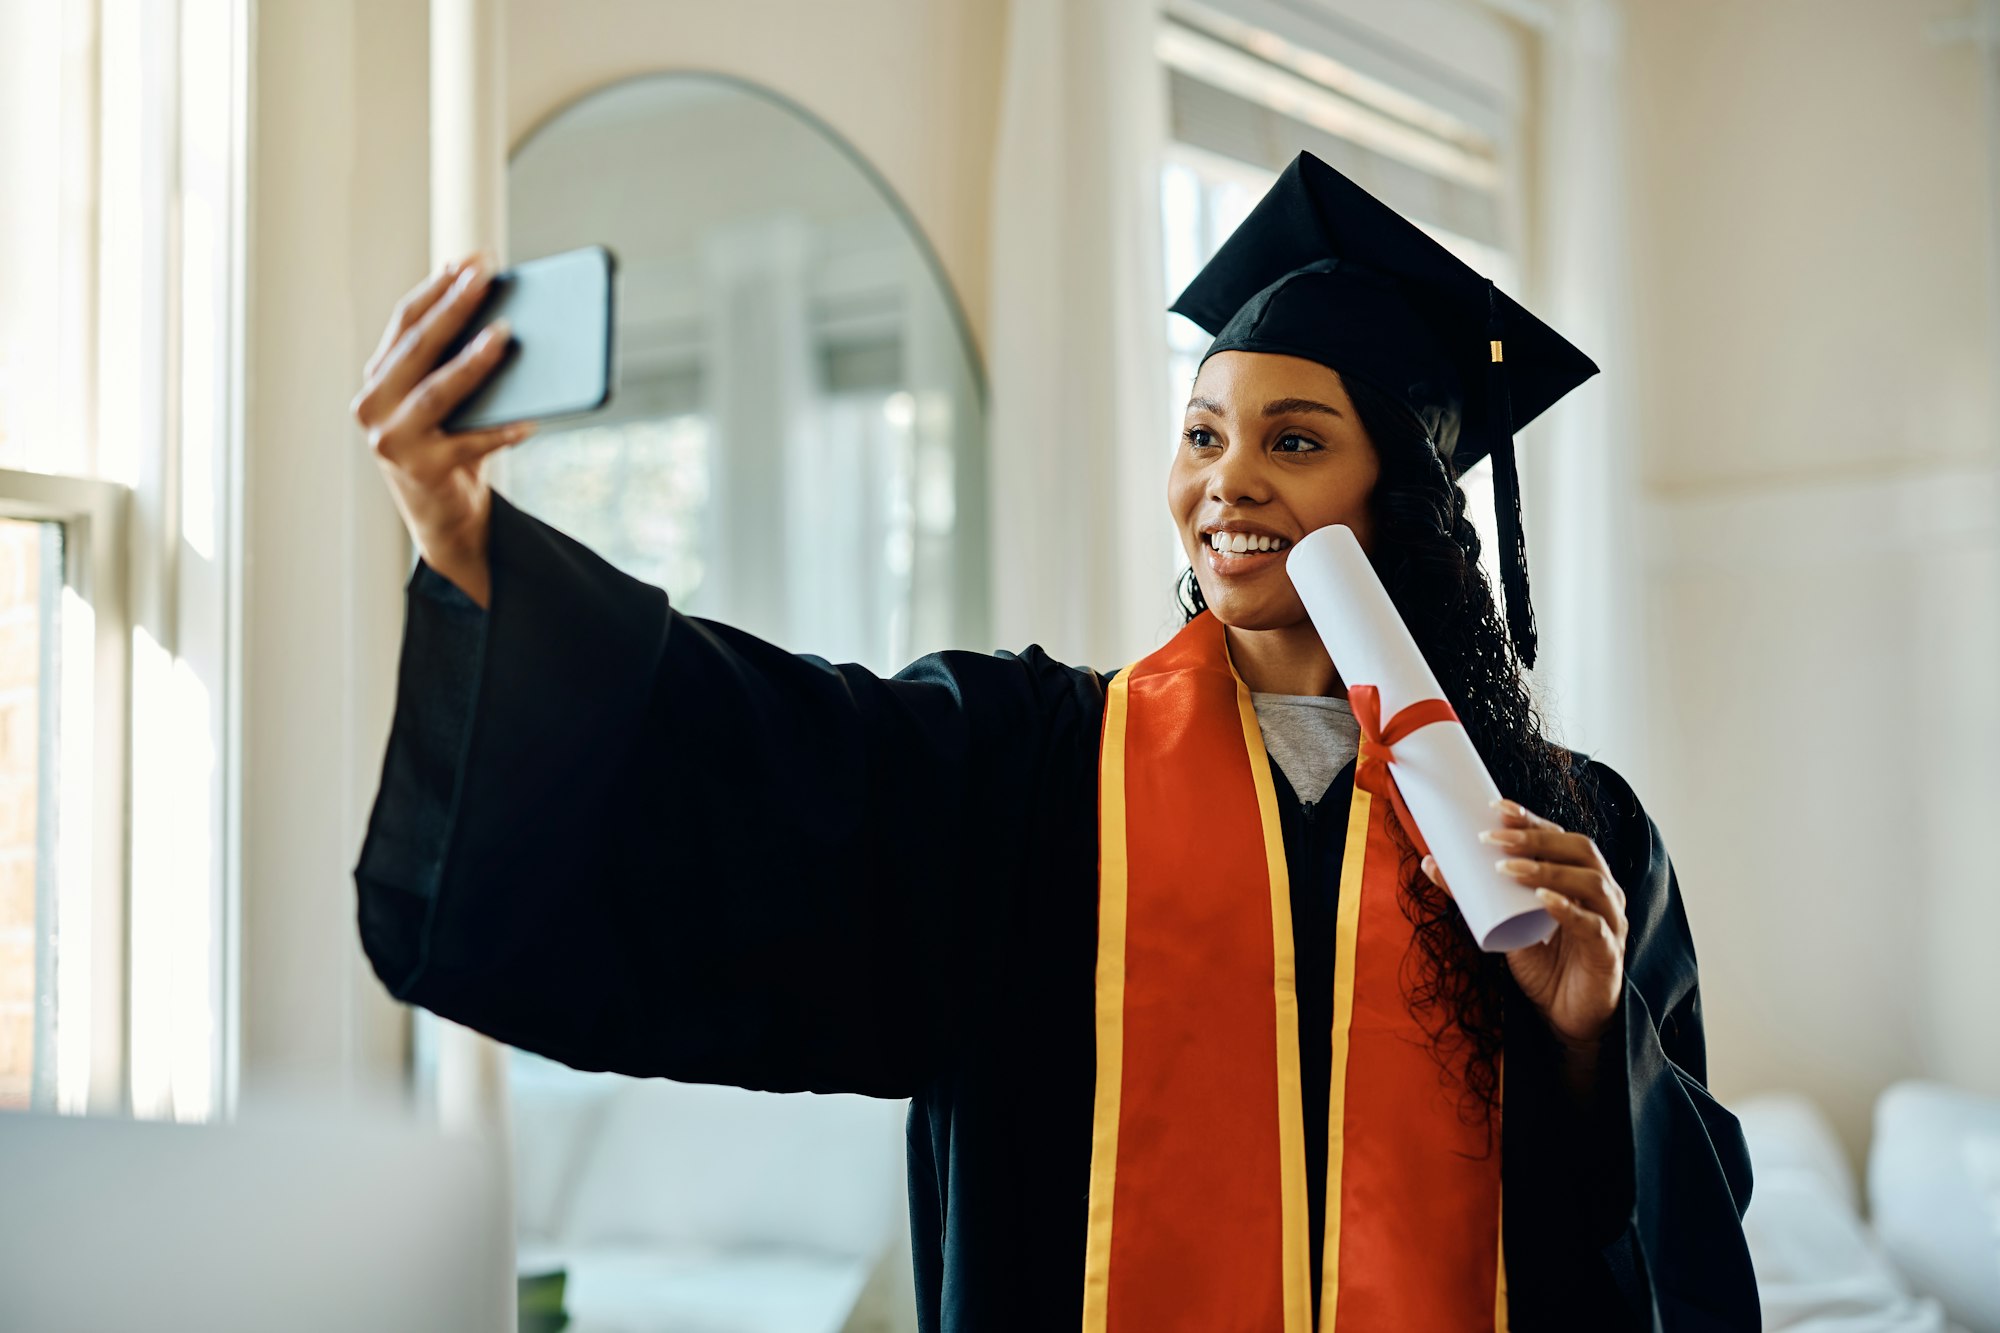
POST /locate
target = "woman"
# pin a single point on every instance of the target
(636, 840)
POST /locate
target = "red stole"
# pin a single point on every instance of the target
(1198, 1213)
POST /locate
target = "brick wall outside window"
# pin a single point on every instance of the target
(20, 663)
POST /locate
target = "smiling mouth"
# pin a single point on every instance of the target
(1220, 550)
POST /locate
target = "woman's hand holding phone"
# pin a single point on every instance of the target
(438, 479)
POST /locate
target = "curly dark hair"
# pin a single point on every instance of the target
(1427, 555)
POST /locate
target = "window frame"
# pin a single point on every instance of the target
(93, 709)
(145, 482)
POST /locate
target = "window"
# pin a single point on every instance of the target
(31, 562)
(63, 686)
(120, 133)
(1244, 98)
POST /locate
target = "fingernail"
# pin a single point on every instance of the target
(498, 331)
(1503, 837)
(1514, 865)
(1547, 897)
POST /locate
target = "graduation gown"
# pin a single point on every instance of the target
(635, 840)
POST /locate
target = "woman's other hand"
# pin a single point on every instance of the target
(1576, 977)
(438, 479)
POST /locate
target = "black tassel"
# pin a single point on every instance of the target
(1507, 489)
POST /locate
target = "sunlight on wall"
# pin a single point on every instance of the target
(174, 1001)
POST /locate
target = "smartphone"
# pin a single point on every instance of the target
(558, 360)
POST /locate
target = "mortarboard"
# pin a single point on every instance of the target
(1323, 270)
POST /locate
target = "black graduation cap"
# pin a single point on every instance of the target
(1322, 269)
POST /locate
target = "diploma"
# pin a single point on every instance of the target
(1443, 783)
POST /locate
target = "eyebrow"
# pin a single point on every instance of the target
(1280, 406)
(1275, 408)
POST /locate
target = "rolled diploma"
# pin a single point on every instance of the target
(1443, 781)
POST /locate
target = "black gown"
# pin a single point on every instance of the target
(635, 840)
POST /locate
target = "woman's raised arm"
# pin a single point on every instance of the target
(631, 839)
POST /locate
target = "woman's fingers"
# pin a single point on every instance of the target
(414, 355)
(1541, 854)
(1546, 844)
(1595, 892)
(1545, 840)
(473, 445)
(1557, 846)
(1515, 815)
(410, 309)
(426, 406)
(1582, 925)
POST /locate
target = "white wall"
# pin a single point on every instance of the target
(1813, 371)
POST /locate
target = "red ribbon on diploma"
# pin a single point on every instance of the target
(1371, 772)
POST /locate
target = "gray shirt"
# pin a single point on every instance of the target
(1311, 738)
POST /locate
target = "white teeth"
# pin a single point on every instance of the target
(1240, 542)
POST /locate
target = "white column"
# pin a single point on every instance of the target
(760, 386)
(336, 218)
(469, 212)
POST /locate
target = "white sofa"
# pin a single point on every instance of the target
(1925, 1259)
(714, 1210)
(704, 1209)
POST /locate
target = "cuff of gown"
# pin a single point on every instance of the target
(1608, 1127)
(569, 655)
(1589, 1146)
(402, 856)
(426, 580)
(492, 805)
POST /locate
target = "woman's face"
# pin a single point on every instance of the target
(1271, 449)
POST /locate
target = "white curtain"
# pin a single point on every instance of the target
(1080, 436)
(1587, 537)
(762, 395)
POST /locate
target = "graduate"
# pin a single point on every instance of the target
(1194, 1038)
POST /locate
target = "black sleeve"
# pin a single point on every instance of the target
(1644, 1194)
(631, 839)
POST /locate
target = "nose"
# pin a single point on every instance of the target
(1238, 477)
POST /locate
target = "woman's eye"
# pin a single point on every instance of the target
(1198, 437)
(1305, 445)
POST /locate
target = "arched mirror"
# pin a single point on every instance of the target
(794, 447)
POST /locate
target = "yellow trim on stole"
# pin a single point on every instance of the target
(1297, 1223)
(1110, 1008)
(1347, 935)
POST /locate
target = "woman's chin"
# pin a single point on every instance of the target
(1247, 610)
